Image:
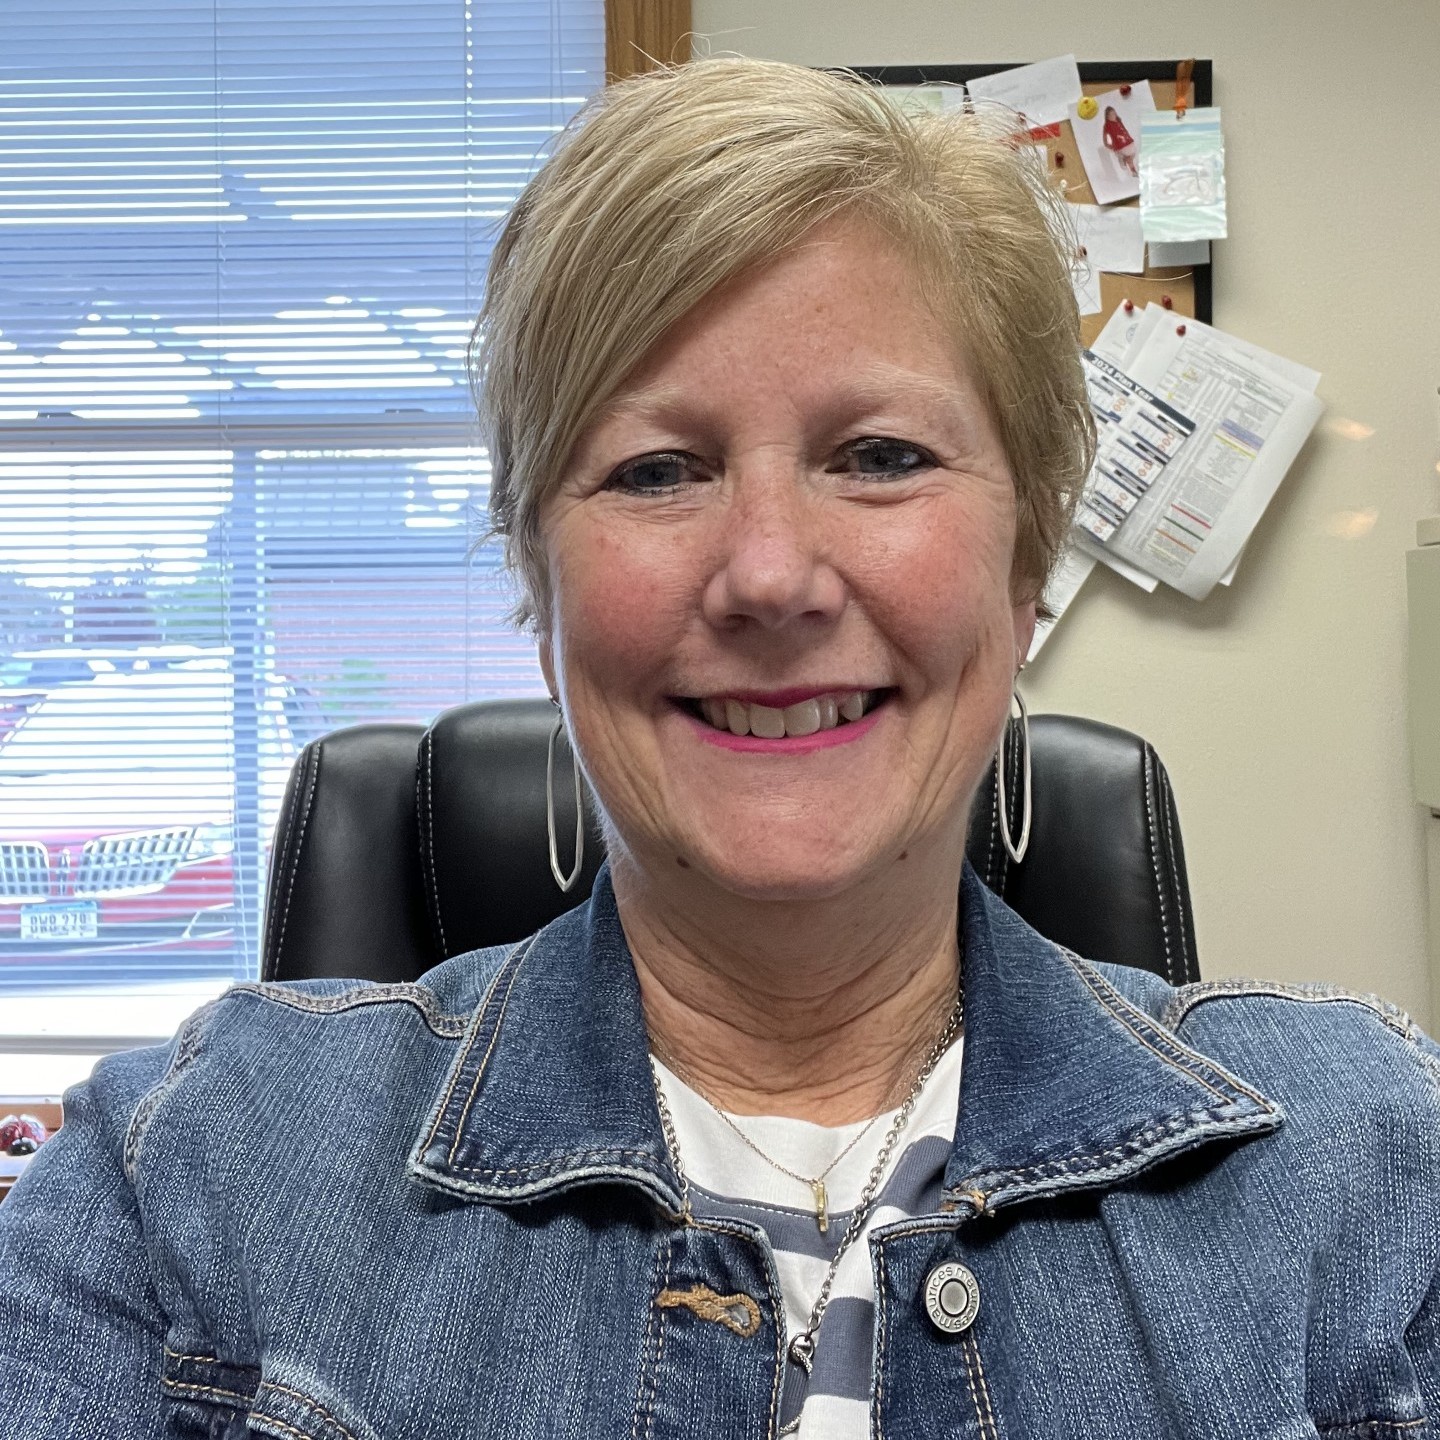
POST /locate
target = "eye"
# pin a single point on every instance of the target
(879, 455)
(658, 474)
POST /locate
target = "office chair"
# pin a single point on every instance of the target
(399, 846)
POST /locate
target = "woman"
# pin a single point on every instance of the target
(1118, 140)
(792, 1128)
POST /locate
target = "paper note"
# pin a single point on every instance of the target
(1042, 93)
(1111, 239)
(1251, 412)
(1072, 571)
(1085, 282)
(1182, 176)
(1109, 141)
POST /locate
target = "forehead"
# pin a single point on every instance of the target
(840, 320)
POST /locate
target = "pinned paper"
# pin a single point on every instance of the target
(1085, 282)
(1249, 413)
(1111, 239)
(1109, 141)
(1182, 176)
(1041, 94)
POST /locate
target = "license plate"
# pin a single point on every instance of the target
(71, 920)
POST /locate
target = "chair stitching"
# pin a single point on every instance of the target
(469, 1046)
(292, 859)
(489, 1051)
(988, 1419)
(990, 858)
(1171, 821)
(425, 783)
(1145, 759)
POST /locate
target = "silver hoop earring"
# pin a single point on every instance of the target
(1015, 849)
(565, 882)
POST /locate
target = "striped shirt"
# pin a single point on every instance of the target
(729, 1179)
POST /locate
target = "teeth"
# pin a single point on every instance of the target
(824, 712)
(802, 719)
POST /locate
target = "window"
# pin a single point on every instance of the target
(241, 248)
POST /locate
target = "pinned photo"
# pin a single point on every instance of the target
(1107, 135)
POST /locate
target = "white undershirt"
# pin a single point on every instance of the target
(728, 1178)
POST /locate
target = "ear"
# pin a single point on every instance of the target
(1023, 622)
(547, 664)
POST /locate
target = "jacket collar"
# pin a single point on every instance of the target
(1065, 1084)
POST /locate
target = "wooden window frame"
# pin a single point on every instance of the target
(641, 34)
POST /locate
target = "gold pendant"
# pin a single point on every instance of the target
(821, 1218)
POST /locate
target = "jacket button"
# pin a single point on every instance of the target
(952, 1296)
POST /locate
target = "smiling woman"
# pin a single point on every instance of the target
(792, 1127)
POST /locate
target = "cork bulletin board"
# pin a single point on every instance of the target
(1188, 290)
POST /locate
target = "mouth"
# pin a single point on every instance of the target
(831, 710)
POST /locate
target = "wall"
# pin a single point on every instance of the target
(1277, 705)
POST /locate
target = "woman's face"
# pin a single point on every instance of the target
(797, 509)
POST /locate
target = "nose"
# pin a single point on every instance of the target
(774, 563)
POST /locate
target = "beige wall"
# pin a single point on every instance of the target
(1278, 705)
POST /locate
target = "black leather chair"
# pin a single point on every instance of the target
(399, 846)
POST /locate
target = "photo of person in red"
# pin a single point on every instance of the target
(1118, 140)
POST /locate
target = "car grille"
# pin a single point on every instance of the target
(24, 870)
(127, 864)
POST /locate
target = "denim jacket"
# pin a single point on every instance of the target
(335, 1211)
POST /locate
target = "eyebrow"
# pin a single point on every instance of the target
(875, 387)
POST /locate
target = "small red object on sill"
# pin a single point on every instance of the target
(21, 1135)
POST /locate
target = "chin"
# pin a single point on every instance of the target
(781, 873)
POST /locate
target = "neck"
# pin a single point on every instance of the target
(819, 1010)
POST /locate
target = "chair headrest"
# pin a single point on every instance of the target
(397, 848)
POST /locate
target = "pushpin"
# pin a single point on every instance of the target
(1087, 109)
(1125, 89)
(1129, 307)
(1059, 159)
(1167, 302)
(1179, 329)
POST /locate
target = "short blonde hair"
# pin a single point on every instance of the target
(668, 185)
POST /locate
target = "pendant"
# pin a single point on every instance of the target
(802, 1351)
(821, 1218)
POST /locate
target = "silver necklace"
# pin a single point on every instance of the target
(815, 1184)
(802, 1346)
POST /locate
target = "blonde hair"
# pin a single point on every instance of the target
(668, 185)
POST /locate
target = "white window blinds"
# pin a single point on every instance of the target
(241, 248)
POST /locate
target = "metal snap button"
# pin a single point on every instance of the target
(952, 1296)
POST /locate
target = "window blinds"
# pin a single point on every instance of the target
(241, 248)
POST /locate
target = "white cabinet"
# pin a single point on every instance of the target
(1423, 585)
